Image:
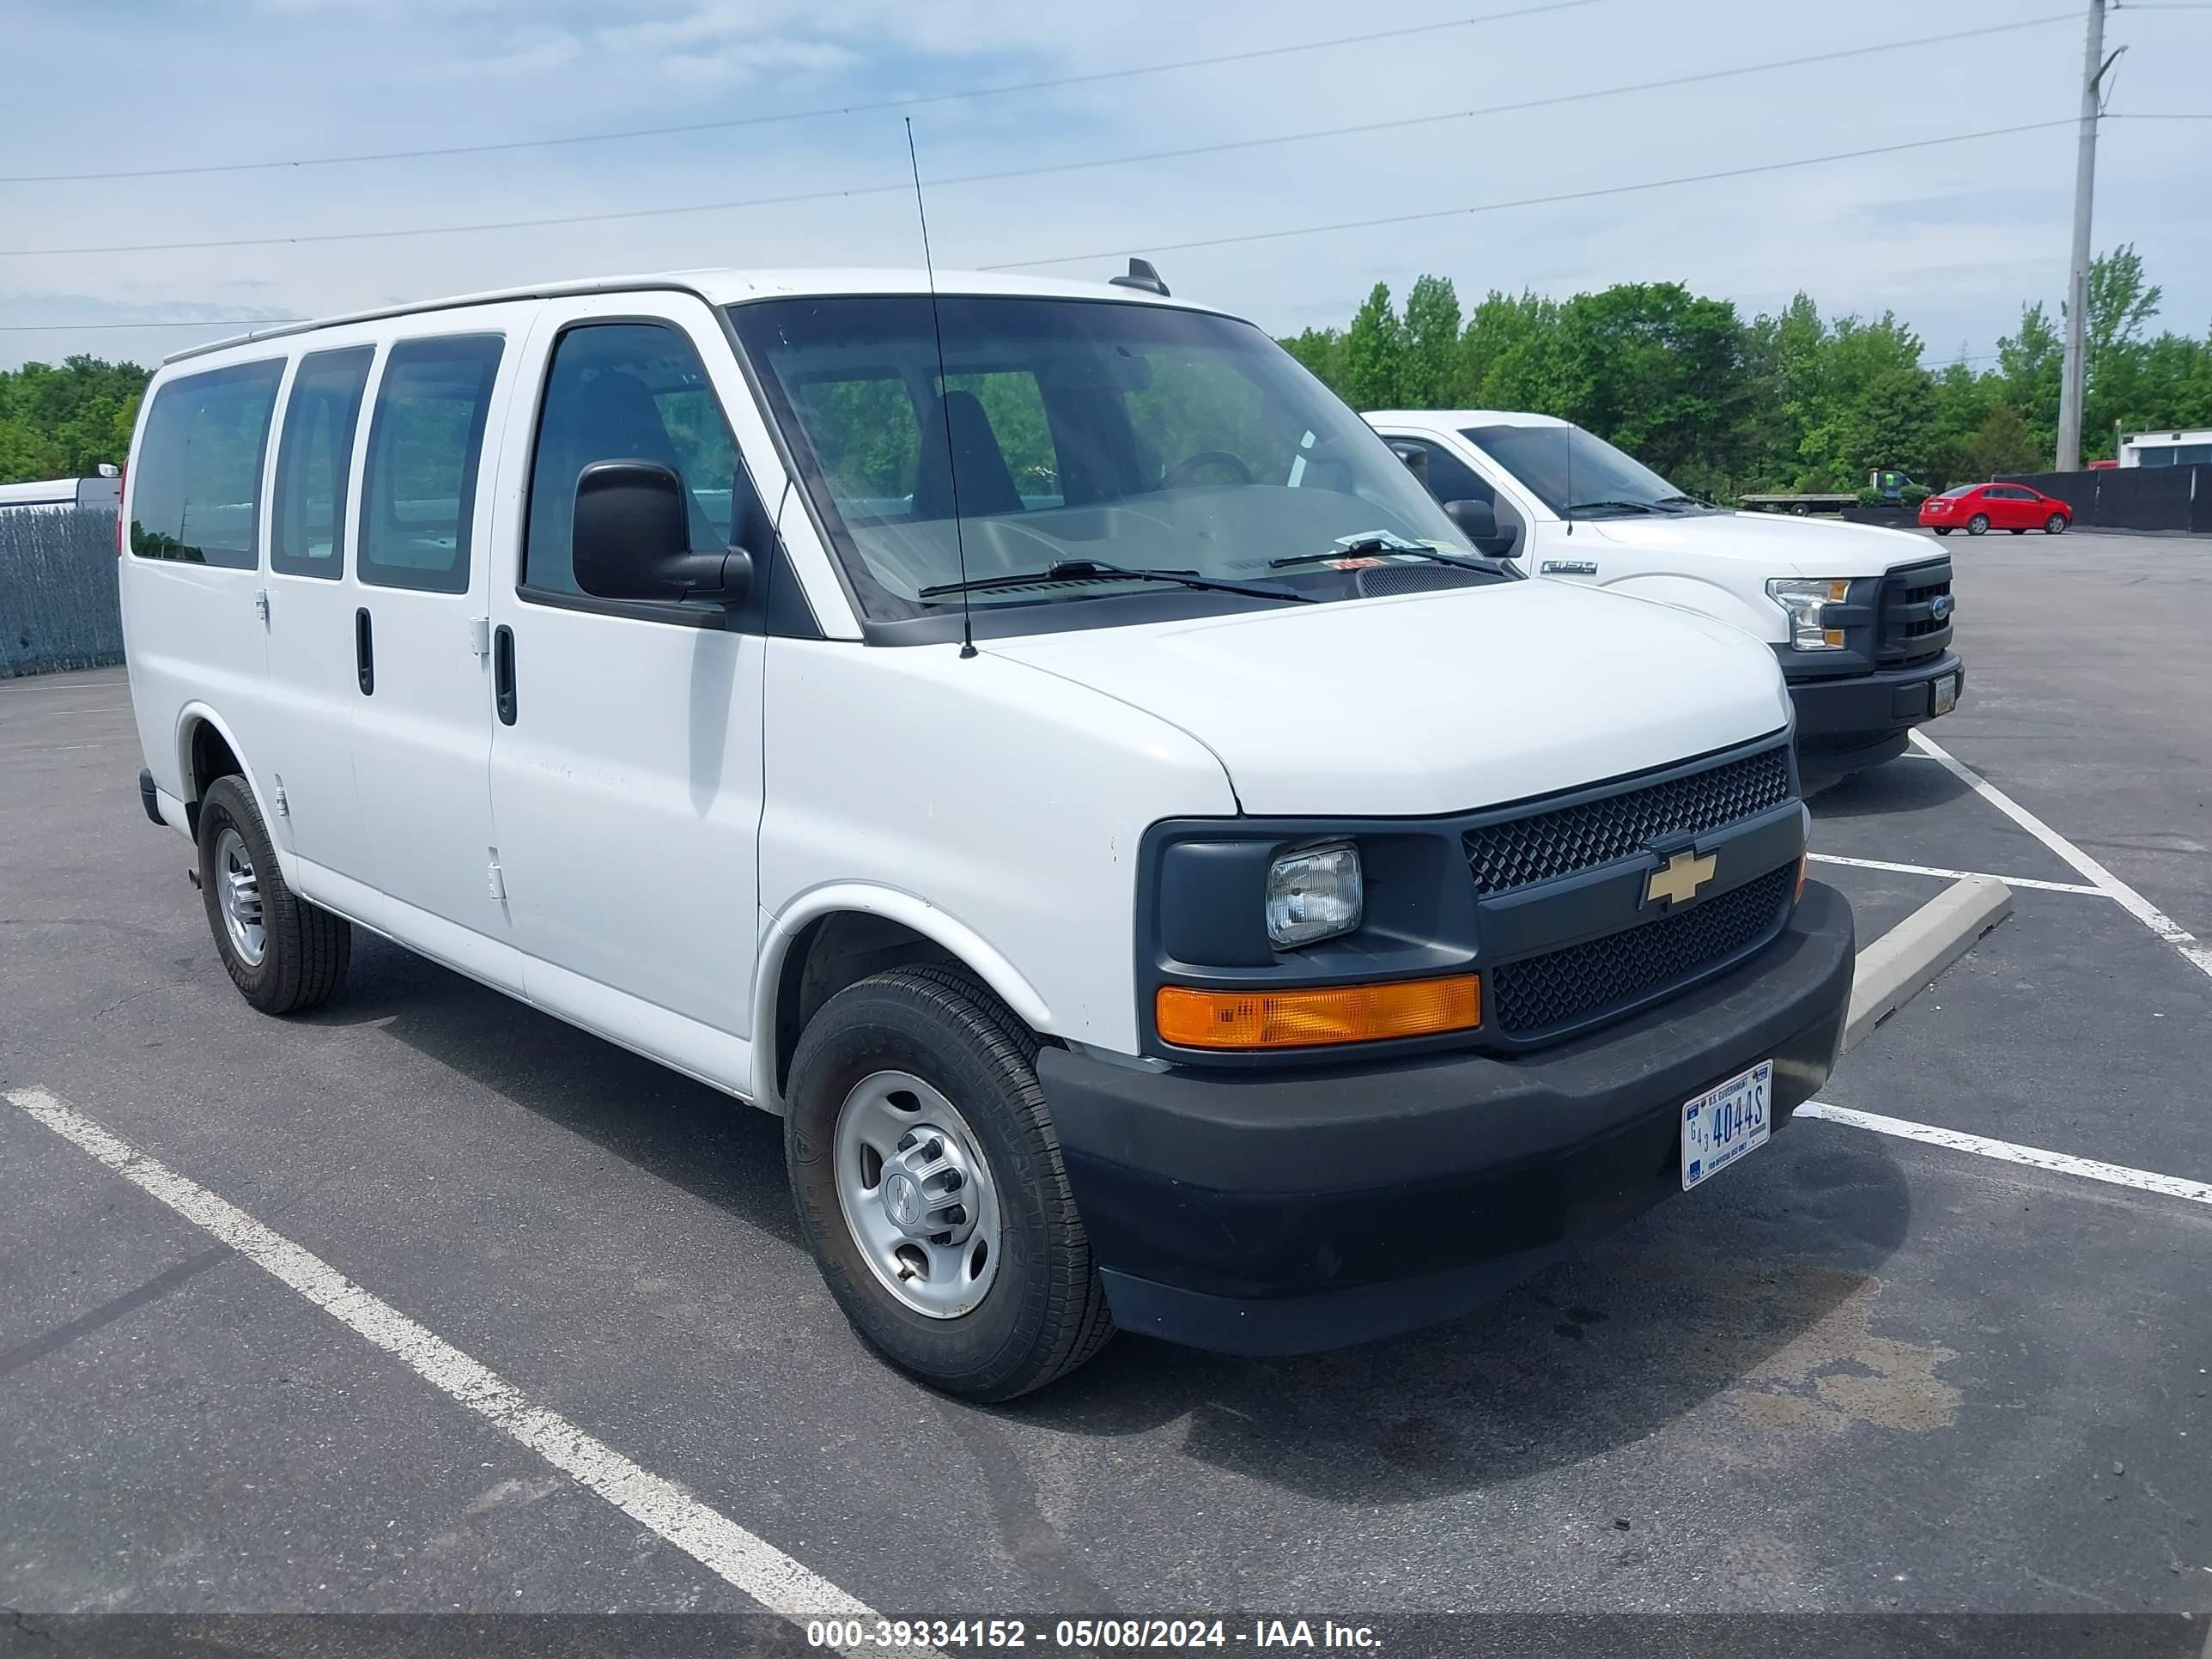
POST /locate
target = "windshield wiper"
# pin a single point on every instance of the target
(1679, 499)
(1573, 507)
(1094, 570)
(1366, 545)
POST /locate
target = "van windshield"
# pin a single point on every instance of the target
(1580, 475)
(1075, 433)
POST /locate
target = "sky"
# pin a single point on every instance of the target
(1952, 238)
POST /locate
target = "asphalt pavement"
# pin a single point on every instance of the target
(1854, 1373)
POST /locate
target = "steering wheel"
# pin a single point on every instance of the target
(1180, 473)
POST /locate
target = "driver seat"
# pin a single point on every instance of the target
(986, 482)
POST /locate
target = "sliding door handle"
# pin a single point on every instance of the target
(364, 652)
(502, 674)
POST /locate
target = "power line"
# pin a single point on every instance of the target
(1531, 201)
(804, 114)
(1184, 153)
(1270, 235)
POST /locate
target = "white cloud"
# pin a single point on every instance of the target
(1954, 238)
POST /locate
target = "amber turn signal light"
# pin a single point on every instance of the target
(1800, 893)
(1317, 1014)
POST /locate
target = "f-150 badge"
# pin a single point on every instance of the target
(1568, 568)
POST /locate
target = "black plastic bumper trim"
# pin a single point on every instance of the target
(1862, 710)
(147, 799)
(1340, 1204)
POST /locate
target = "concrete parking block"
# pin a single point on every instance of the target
(1891, 970)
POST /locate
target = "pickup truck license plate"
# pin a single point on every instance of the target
(1946, 693)
(1723, 1124)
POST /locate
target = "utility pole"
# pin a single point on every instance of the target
(2093, 65)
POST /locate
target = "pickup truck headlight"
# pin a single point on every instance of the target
(1313, 894)
(1805, 599)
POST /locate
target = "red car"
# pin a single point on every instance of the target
(1986, 507)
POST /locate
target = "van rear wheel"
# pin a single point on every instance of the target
(930, 1188)
(284, 954)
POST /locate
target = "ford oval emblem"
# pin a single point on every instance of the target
(1940, 606)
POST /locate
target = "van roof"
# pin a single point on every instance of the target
(719, 286)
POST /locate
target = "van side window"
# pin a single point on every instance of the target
(419, 490)
(313, 456)
(624, 392)
(195, 490)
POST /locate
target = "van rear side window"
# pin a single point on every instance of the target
(195, 490)
(419, 490)
(306, 532)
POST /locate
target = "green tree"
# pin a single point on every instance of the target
(1431, 376)
(59, 422)
(1868, 404)
(1321, 350)
(2030, 361)
(1374, 354)
(1505, 347)
(2003, 444)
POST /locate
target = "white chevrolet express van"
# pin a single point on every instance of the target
(1280, 926)
(1858, 616)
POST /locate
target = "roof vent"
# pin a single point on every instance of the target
(1142, 275)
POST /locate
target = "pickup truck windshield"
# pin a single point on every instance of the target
(1082, 434)
(1580, 475)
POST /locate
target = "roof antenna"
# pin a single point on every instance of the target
(944, 401)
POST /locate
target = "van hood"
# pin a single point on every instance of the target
(1432, 703)
(1779, 545)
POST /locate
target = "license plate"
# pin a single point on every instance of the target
(1946, 693)
(1723, 1124)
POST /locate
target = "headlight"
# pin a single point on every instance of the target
(1805, 598)
(1313, 894)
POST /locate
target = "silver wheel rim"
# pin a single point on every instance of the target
(238, 894)
(917, 1194)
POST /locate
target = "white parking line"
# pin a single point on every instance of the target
(1956, 875)
(2035, 1157)
(2192, 951)
(709, 1537)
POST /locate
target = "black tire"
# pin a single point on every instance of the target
(305, 948)
(2054, 525)
(1045, 1311)
(1979, 525)
(1941, 529)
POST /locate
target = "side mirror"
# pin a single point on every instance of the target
(1478, 522)
(1416, 457)
(633, 539)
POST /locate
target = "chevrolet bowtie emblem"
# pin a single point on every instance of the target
(1677, 881)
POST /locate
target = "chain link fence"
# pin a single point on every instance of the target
(58, 604)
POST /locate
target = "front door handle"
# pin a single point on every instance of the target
(502, 674)
(364, 652)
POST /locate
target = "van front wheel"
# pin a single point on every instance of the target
(930, 1188)
(284, 954)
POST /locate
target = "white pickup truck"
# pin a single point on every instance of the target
(1859, 617)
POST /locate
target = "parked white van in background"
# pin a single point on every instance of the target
(1032, 736)
(1859, 617)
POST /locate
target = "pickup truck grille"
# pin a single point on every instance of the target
(1515, 851)
(1537, 993)
(1911, 627)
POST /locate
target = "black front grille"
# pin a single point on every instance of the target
(1910, 629)
(1539, 992)
(1517, 851)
